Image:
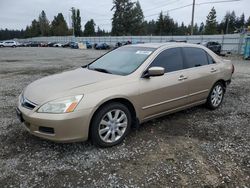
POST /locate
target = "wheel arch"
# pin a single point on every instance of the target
(121, 100)
(224, 83)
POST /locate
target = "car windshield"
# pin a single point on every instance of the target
(122, 61)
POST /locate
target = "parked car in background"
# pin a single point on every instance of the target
(8, 43)
(67, 44)
(127, 86)
(88, 45)
(35, 44)
(20, 44)
(27, 44)
(74, 45)
(177, 41)
(214, 46)
(43, 44)
(119, 44)
(102, 46)
(51, 44)
(57, 45)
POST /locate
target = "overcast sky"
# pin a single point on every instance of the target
(17, 14)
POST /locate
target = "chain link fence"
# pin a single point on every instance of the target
(233, 43)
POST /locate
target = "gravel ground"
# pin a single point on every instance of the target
(192, 148)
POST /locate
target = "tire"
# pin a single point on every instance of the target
(106, 134)
(14, 46)
(216, 96)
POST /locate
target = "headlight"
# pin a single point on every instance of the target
(59, 106)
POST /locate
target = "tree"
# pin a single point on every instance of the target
(232, 23)
(165, 25)
(78, 28)
(240, 22)
(101, 32)
(160, 24)
(34, 29)
(44, 24)
(150, 27)
(6, 34)
(137, 26)
(201, 28)
(248, 22)
(195, 29)
(76, 21)
(211, 24)
(89, 28)
(121, 21)
(59, 26)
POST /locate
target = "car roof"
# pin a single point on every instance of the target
(167, 44)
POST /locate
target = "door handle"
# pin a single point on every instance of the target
(213, 70)
(182, 77)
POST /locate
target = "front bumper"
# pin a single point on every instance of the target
(68, 127)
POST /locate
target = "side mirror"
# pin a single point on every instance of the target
(154, 71)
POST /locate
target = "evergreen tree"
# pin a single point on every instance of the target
(248, 22)
(165, 25)
(240, 23)
(89, 28)
(211, 24)
(169, 25)
(121, 21)
(101, 32)
(232, 23)
(201, 28)
(182, 29)
(137, 20)
(73, 19)
(160, 25)
(34, 29)
(195, 29)
(59, 26)
(6, 34)
(78, 28)
(150, 27)
(76, 21)
(44, 24)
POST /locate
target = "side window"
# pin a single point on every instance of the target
(210, 59)
(194, 57)
(170, 59)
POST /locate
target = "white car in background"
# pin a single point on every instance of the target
(9, 43)
(57, 45)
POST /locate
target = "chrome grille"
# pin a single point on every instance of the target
(27, 104)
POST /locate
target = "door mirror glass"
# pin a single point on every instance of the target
(155, 71)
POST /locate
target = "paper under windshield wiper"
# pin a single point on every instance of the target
(100, 70)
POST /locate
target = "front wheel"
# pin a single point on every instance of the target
(110, 125)
(216, 96)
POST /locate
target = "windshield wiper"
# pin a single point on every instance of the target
(101, 70)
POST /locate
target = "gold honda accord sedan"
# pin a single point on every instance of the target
(125, 87)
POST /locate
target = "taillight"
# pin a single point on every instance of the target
(233, 68)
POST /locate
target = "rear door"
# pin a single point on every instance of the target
(201, 70)
(164, 93)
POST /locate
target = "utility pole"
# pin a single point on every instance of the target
(192, 22)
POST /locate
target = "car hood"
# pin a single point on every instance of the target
(58, 85)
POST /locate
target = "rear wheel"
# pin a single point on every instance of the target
(216, 96)
(110, 125)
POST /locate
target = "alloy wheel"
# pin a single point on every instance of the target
(217, 95)
(113, 125)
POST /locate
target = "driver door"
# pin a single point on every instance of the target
(162, 94)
